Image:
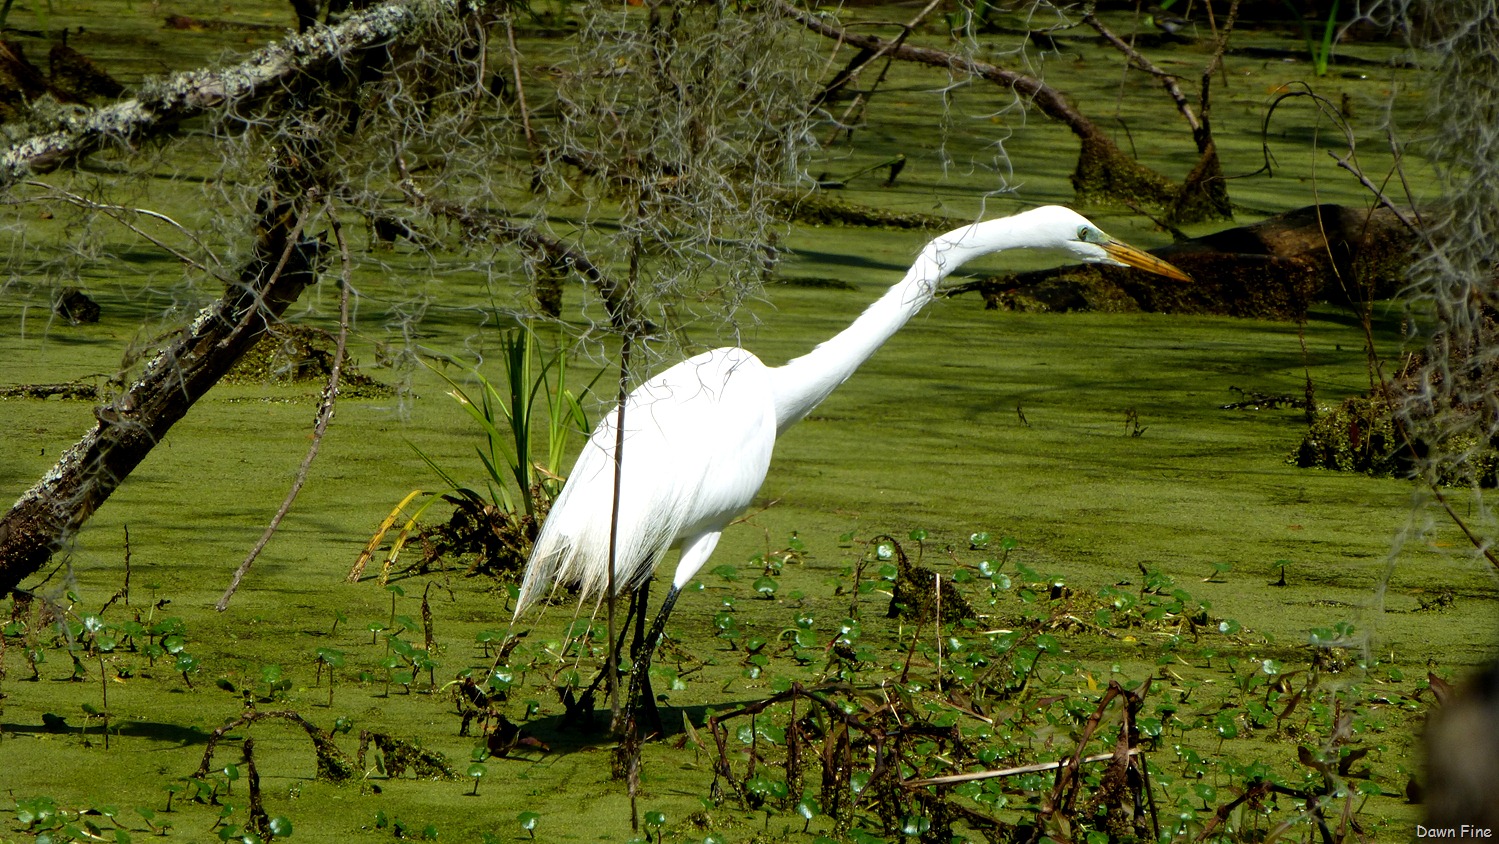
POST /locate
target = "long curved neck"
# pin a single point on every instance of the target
(804, 382)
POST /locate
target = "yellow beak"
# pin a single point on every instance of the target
(1141, 260)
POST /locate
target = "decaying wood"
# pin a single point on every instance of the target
(1272, 269)
(1204, 194)
(1104, 172)
(283, 263)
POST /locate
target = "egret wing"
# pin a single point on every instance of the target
(698, 440)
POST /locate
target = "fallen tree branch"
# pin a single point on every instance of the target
(862, 60)
(161, 107)
(1103, 171)
(38, 524)
(283, 263)
(954, 779)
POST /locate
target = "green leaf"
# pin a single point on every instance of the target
(915, 825)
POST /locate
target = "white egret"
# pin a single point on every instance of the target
(698, 437)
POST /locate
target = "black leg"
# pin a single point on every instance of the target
(639, 600)
(579, 708)
(640, 675)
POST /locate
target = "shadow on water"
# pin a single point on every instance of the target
(177, 734)
(562, 738)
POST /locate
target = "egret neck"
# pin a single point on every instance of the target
(804, 382)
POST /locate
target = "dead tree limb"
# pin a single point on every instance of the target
(284, 262)
(861, 60)
(161, 107)
(128, 428)
(1104, 173)
(1204, 194)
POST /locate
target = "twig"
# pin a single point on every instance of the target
(610, 594)
(1346, 162)
(325, 414)
(952, 779)
(259, 821)
(520, 89)
(114, 213)
(860, 99)
(1137, 60)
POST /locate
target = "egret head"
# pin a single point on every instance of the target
(1072, 233)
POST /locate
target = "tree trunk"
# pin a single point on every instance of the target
(41, 522)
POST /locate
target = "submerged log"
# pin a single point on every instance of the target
(1273, 269)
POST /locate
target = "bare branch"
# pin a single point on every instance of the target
(1140, 62)
(324, 416)
(116, 213)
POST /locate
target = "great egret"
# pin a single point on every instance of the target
(698, 437)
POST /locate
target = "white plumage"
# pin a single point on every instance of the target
(679, 481)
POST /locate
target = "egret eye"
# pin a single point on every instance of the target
(1088, 234)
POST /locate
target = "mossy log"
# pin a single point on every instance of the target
(819, 209)
(1273, 269)
(298, 354)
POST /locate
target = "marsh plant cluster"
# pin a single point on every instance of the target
(1042, 711)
